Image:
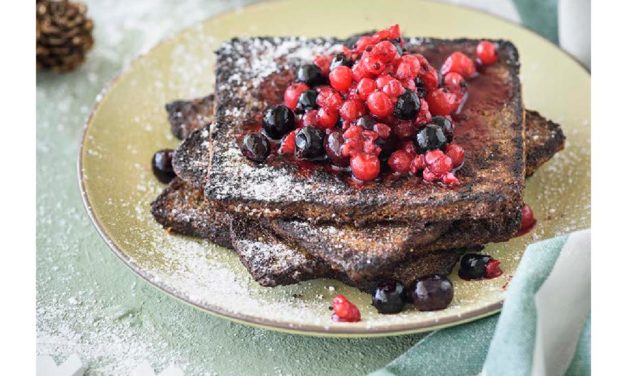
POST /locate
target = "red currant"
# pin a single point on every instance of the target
(328, 98)
(454, 82)
(486, 52)
(528, 220)
(365, 167)
(400, 161)
(385, 51)
(310, 118)
(459, 62)
(365, 87)
(383, 130)
(327, 118)
(373, 64)
(493, 269)
(292, 93)
(424, 115)
(351, 110)
(344, 310)
(456, 153)
(404, 130)
(450, 179)
(393, 88)
(438, 162)
(418, 164)
(323, 62)
(379, 104)
(288, 145)
(383, 80)
(442, 102)
(341, 78)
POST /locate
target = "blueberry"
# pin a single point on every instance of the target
(162, 165)
(431, 293)
(473, 266)
(306, 101)
(255, 147)
(446, 125)
(332, 145)
(421, 90)
(429, 138)
(310, 74)
(387, 145)
(278, 121)
(310, 143)
(340, 59)
(366, 122)
(407, 105)
(389, 297)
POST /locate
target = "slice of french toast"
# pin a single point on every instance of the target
(250, 73)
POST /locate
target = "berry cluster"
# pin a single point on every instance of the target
(374, 107)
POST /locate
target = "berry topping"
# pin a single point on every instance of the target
(278, 121)
(429, 138)
(365, 166)
(162, 165)
(389, 297)
(344, 310)
(379, 104)
(292, 94)
(431, 293)
(255, 147)
(400, 161)
(486, 52)
(309, 143)
(459, 62)
(310, 74)
(306, 101)
(333, 146)
(528, 220)
(340, 59)
(392, 107)
(341, 78)
(478, 266)
(407, 105)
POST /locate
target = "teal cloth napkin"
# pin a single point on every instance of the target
(533, 335)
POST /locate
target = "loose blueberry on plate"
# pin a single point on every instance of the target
(278, 121)
(478, 266)
(431, 293)
(407, 105)
(310, 74)
(310, 143)
(430, 137)
(307, 101)
(389, 296)
(162, 165)
(255, 147)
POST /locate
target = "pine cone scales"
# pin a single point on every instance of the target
(63, 34)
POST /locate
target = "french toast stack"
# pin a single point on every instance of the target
(290, 222)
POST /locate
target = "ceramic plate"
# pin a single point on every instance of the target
(129, 124)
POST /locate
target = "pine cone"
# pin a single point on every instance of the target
(63, 34)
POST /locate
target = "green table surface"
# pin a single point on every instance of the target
(88, 302)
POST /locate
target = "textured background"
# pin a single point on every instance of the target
(88, 302)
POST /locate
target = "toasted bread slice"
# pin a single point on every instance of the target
(186, 116)
(490, 129)
(543, 139)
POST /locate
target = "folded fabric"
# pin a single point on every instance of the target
(543, 329)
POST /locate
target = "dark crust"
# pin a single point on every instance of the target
(270, 261)
(182, 209)
(187, 116)
(481, 195)
(543, 138)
